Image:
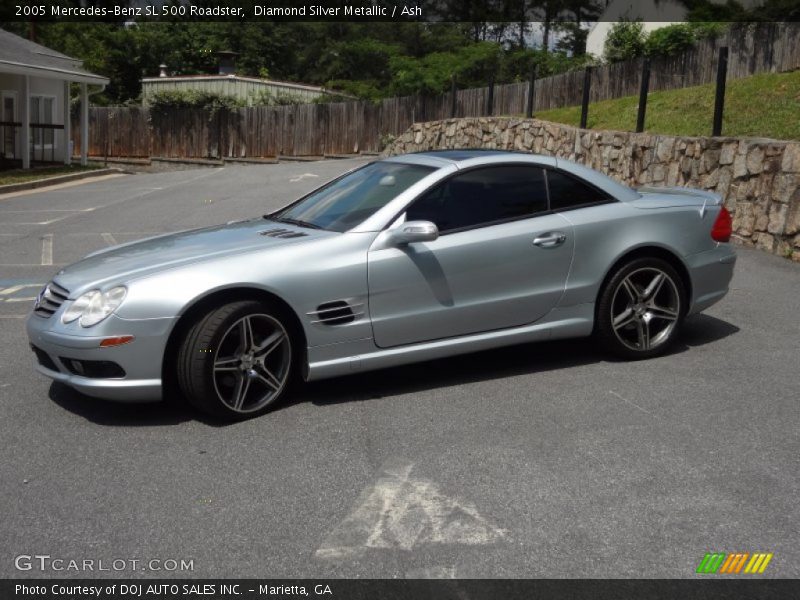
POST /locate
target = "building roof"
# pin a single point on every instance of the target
(23, 57)
(271, 82)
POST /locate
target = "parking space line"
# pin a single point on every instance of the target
(626, 401)
(109, 239)
(47, 249)
(85, 233)
(12, 289)
(35, 210)
(47, 222)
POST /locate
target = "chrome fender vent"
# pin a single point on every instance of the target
(337, 312)
(282, 233)
(49, 300)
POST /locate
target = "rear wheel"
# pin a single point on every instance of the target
(237, 360)
(641, 309)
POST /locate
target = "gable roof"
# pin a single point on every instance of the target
(23, 57)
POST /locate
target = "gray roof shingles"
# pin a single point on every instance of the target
(15, 49)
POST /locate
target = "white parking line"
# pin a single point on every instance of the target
(47, 249)
(109, 239)
(297, 178)
(35, 210)
(12, 289)
(70, 213)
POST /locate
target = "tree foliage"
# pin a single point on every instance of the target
(625, 40)
(474, 41)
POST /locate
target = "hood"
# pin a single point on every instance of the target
(122, 263)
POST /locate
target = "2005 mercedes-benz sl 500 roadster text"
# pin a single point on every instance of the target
(405, 259)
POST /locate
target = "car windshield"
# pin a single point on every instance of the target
(346, 202)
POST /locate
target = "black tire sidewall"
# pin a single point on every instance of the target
(197, 356)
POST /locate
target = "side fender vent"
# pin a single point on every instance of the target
(338, 312)
(282, 233)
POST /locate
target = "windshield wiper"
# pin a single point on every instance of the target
(297, 222)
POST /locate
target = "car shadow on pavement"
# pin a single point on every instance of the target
(523, 359)
(104, 412)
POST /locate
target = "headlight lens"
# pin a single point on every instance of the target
(94, 306)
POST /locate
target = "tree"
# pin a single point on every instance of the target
(625, 40)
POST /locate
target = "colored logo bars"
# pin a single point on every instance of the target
(720, 562)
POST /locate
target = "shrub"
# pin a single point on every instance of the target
(625, 40)
(163, 101)
(669, 40)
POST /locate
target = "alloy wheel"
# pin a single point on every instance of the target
(645, 309)
(251, 364)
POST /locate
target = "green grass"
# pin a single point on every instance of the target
(24, 175)
(766, 105)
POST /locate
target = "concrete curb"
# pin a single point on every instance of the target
(31, 185)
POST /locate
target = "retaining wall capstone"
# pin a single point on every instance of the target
(759, 179)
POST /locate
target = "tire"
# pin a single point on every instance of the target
(237, 361)
(640, 309)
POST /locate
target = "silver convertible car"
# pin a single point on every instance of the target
(405, 259)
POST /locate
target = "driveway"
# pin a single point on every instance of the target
(541, 460)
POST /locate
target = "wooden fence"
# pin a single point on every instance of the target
(351, 127)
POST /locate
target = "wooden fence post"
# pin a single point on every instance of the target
(719, 98)
(490, 97)
(454, 97)
(587, 81)
(645, 85)
(531, 85)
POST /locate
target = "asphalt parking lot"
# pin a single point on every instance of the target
(544, 460)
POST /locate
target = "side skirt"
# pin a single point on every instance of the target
(568, 322)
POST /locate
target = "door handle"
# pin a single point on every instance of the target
(550, 239)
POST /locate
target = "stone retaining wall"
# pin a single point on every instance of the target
(758, 178)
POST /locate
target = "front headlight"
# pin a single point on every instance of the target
(94, 306)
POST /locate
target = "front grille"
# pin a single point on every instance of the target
(98, 369)
(51, 298)
(282, 233)
(44, 358)
(338, 312)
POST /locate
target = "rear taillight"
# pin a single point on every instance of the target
(722, 228)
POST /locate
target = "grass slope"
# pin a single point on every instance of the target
(766, 105)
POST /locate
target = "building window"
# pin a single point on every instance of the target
(42, 113)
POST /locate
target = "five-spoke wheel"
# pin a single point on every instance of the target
(641, 308)
(237, 360)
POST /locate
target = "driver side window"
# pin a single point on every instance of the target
(483, 196)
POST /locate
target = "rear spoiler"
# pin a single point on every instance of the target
(710, 197)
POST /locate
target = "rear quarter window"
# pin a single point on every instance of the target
(568, 192)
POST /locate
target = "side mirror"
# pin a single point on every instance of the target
(414, 231)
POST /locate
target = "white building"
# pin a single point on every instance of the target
(34, 102)
(654, 14)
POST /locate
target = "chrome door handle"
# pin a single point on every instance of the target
(550, 240)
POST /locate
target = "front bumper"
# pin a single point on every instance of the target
(141, 359)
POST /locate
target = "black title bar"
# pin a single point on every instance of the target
(491, 11)
(391, 589)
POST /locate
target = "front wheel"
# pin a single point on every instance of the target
(641, 309)
(236, 361)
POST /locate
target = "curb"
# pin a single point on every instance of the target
(30, 185)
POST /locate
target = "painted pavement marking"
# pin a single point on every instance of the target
(401, 512)
(47, 249)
